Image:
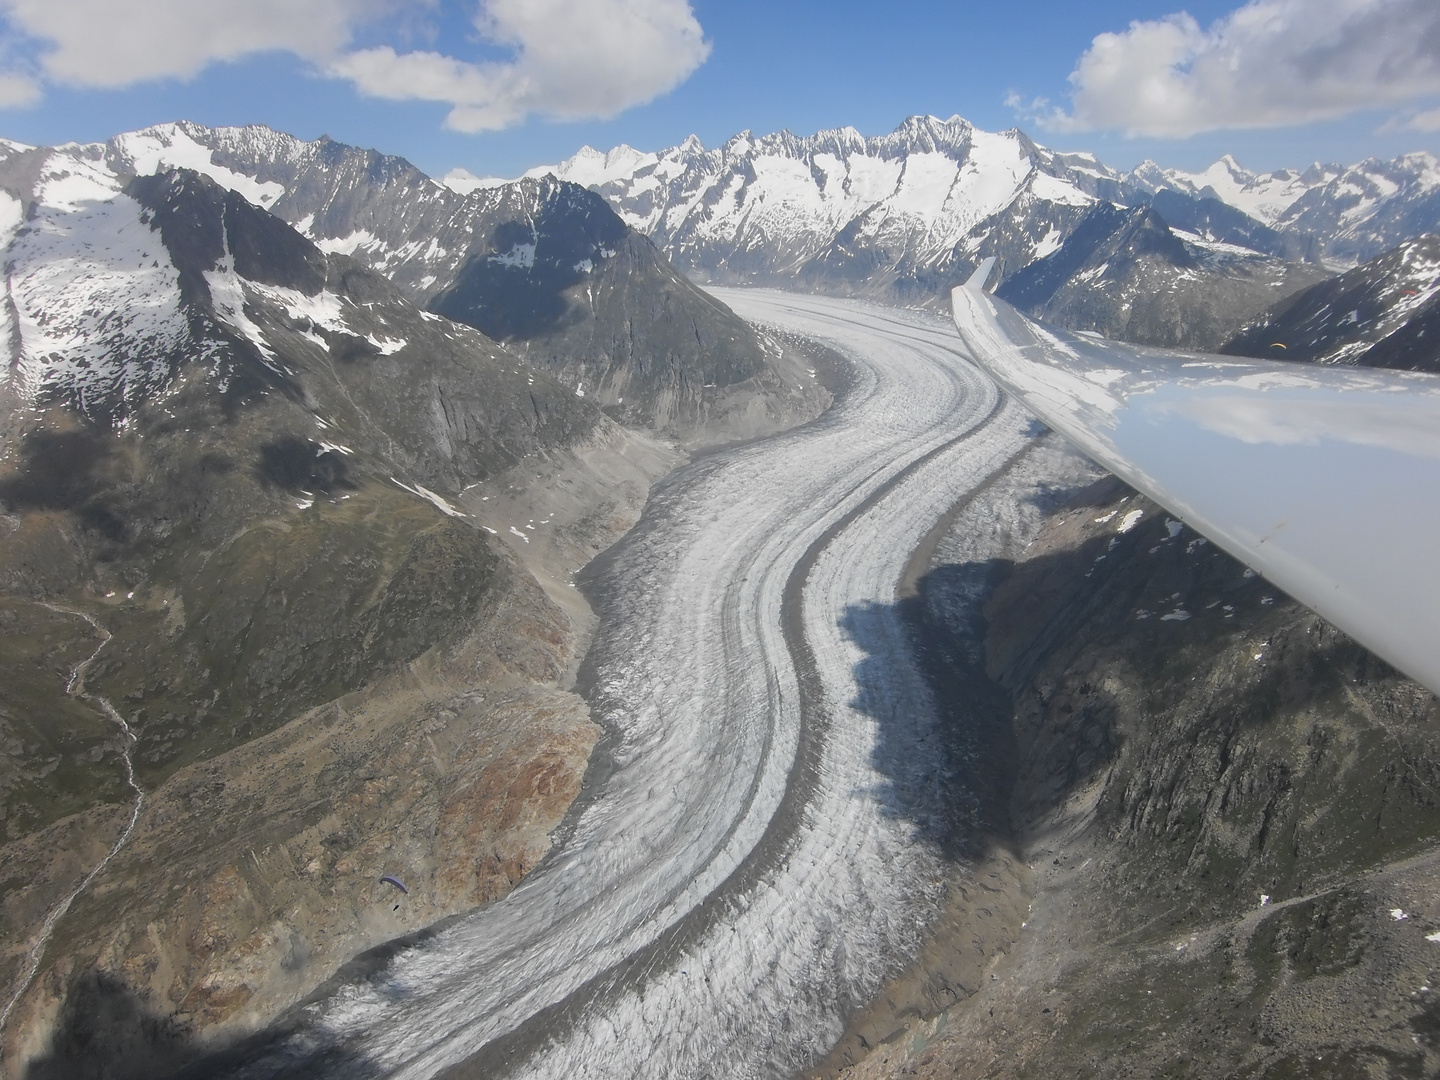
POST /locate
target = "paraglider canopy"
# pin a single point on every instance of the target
(397, 883)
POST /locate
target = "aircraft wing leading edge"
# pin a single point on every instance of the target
(1326, 480)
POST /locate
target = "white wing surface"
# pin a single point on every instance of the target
(1325, 480)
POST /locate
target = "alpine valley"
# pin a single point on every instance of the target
(348, 516)
(261, 636)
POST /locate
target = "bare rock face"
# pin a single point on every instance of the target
(1229, 811)
(564, 281)
(1126, 274)
(1385, 313)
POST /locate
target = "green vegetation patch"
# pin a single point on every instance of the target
(287, 615)
(56, 752)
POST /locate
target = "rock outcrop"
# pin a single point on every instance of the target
(1226, 811)
(257, 657)
(1385, 313)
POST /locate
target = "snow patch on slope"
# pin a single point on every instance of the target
(429, 496)
(519, 255)
(12, 214)
(346, 245)
(96, 297)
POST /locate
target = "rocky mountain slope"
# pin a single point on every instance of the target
(257, 656)
(1221, 812)
(1127, 274)
(767, 205)
(895, 216)
(1385, 313)
(540, 264)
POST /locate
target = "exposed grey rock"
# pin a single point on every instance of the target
(1225, 810)
(1126, 274)
(1385, 313)
(540, 263)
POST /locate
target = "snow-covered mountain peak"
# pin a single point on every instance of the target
(1264, 197)
(463, 181)
(185, 145)
(743, 143)
(927, 134)
(1424, 166)
(589, 167)
(1355, 212)
(766, 206)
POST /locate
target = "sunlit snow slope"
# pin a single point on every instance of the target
(753, 861)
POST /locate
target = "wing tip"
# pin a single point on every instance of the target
(976, 282)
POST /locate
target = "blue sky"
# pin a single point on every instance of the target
(802, 65)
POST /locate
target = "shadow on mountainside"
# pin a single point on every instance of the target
(1134, 620)
(1157, 737)
(67, 470)
(515, 287)
(106, 1032)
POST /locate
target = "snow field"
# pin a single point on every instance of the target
(96, 296)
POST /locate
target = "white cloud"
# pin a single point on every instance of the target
(1267, 64)
(573, 59)
(115, 43)
(17, 90)
(570, 59)
(1428, 120)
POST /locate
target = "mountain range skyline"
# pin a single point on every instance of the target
(484, 86)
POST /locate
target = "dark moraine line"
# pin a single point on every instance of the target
(502, 1056)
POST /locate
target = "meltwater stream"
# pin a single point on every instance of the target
(745, 873)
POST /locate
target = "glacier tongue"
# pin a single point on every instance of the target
(759, 856)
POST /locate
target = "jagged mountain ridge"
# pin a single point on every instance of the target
(1384, 313)
(117, 286)
(1127, 274)
(546, 246)
(905, 215)
(890, 216)
(1352, 213)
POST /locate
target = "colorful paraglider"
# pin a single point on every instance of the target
(398, 884)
